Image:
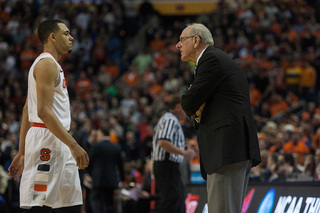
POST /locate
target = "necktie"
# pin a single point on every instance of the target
(195, 70)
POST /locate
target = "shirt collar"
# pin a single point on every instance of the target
(201, 55)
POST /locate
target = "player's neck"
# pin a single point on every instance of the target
(53, 52)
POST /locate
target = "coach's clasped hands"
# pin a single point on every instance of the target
(199, 113)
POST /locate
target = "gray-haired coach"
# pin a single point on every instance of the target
(218, 99)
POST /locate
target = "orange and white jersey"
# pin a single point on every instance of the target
(60, 104)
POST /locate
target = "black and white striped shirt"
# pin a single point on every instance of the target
(168, 128)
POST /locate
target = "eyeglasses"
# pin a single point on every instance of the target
(183, 38)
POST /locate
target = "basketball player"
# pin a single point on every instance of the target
(48, 155)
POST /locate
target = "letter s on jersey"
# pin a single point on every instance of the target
(45, 154)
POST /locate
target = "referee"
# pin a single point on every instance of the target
(168, 152)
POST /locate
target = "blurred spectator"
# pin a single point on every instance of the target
(132, 146)
(27, 56)
(142, 193)
(309, 166)
(112, 69)
(278, 78)
(293, 77)
(255, 95)
(296, 145)
(171, 83)
(277, 144)
(3, 187)
(157, 44)
(277, 105)
(308, 81)
(288, 166)
(257, 172)
(142, 60)
(161, 59)
(104, 172)
(117, 128)
(315, 144)
(131, 77)
(271, 173)
(114, 49)
(83, 85)
(317, 164)
(146, 10)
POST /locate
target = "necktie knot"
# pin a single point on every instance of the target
(195, 70)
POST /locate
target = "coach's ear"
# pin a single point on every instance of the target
(196, 41)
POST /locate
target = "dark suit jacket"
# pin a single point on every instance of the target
(226, 133)
(105, 161)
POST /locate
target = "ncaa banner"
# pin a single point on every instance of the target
(282, 197)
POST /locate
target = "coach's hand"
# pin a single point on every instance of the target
(199, 111)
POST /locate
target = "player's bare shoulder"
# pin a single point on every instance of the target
(46, 67)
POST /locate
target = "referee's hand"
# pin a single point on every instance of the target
(189, 153)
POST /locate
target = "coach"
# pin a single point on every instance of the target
(219, 101)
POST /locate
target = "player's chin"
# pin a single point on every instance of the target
(69, 50)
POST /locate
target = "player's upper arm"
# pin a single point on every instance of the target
(45, 73)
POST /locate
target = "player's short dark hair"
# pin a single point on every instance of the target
(46, 27)
(174, 101)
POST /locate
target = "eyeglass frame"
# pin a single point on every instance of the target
(181, 39)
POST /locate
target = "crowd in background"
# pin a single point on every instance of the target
(124, 66)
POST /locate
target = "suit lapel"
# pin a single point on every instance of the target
(199, 62)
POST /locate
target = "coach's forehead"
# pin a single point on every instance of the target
(186, 31)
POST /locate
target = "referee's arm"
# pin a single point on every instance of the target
(169, 147)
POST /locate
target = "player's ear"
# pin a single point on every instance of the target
(52, 36)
